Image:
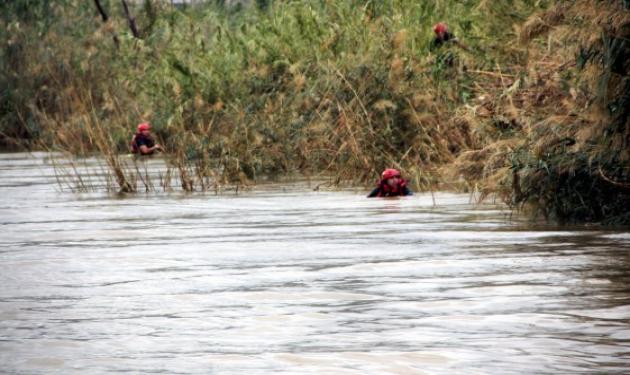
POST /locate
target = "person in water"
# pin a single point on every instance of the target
(142, 142)
(391, 185)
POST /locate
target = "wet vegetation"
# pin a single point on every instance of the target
(534, 110)
(561, 147)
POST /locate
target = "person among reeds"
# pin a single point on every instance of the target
(391, 185)
(444, 36)
(142, 142)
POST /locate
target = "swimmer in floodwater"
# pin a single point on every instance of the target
(142, 142)
(391, 185)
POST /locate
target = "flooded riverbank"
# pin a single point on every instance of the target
(284, 279)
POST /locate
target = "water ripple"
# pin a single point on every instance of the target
(289, 281)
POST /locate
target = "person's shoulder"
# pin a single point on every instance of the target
(374, 192)
(405, 190)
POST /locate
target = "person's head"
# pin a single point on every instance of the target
(391, 176)
(440, 29)
(144, 128)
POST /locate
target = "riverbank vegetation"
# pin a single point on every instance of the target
(561, 147)
(534, 110)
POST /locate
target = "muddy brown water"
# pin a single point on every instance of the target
(286, 280)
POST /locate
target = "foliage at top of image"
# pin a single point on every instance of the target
(532, 109)
(278, 75)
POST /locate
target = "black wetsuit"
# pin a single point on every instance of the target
(437, 42)
(384, 190)
(142, 140)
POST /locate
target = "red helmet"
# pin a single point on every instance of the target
(440, 28)
(389, 173)
(144, 126)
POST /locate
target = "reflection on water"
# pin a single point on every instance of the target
(295, 281)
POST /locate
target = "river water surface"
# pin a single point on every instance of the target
(284, 279)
